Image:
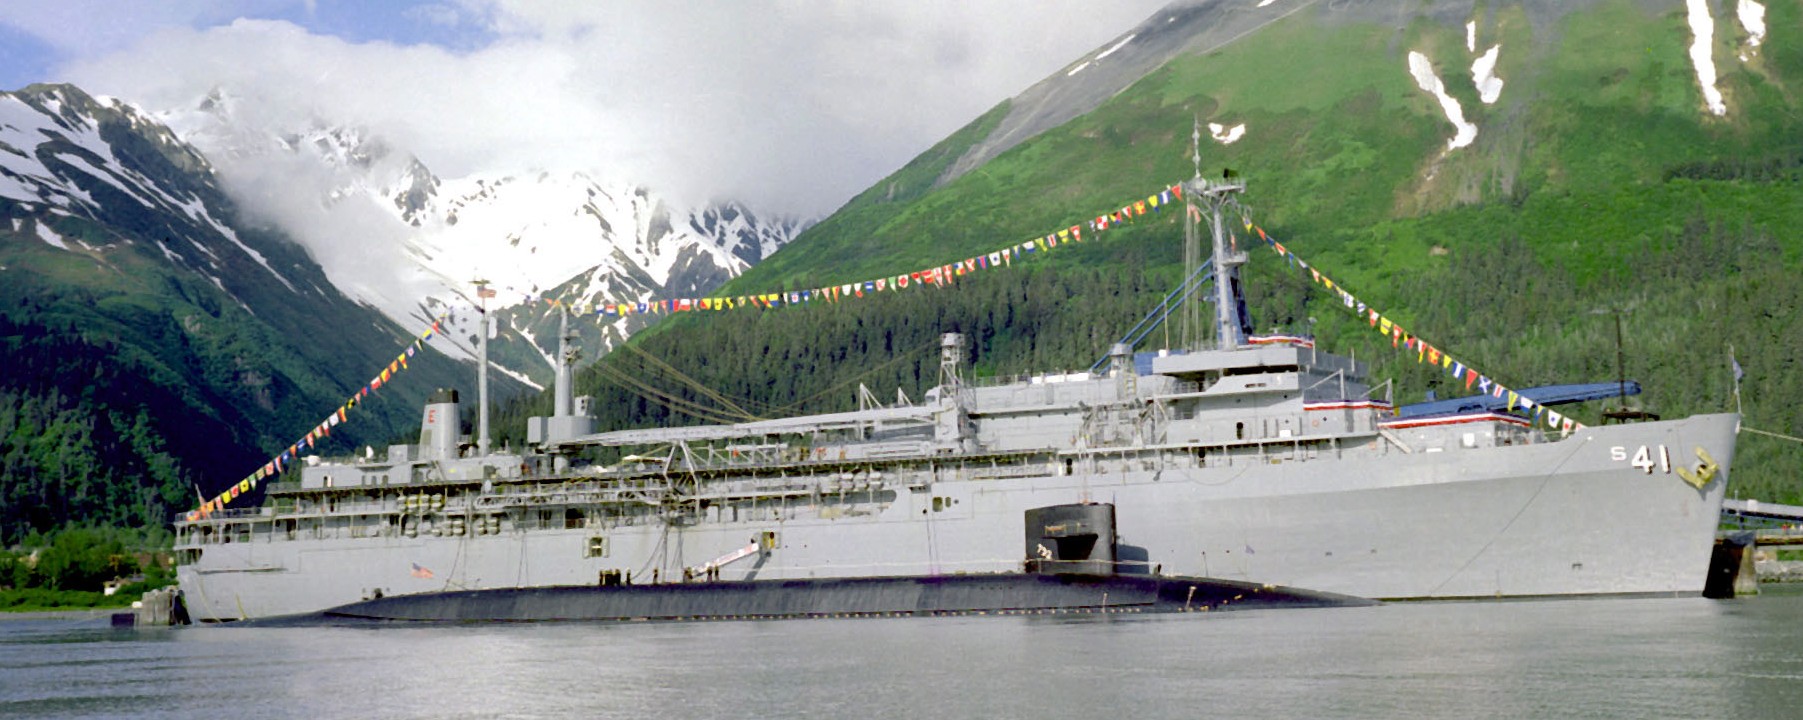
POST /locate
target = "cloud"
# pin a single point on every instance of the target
(86, 28)
(790, 106)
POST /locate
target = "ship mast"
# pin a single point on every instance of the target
(1202, 195)
(1189, 333)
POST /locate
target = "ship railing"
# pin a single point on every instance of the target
(216, 515)
(1033, 379)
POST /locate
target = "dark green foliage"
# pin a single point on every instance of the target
(69, 568)
(82, 559)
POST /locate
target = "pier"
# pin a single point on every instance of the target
(1737, 563)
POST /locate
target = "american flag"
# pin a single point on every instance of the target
(420, 572)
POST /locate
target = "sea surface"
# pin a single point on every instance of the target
(1684, 657)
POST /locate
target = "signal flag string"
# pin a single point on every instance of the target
(937, 276)
(289, 455)
(1424, 352)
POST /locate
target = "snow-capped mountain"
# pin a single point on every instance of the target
(393, 234)
(64, 154)
(152, 335)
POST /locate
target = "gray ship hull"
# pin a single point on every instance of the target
(1573, 517)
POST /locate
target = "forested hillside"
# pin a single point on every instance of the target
(1599, 186)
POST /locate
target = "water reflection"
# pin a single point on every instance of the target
(1605, 657)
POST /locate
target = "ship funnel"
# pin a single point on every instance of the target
(438, 427)
(571, 415)
(1120, 366)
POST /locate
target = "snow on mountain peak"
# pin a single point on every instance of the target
(394, 235)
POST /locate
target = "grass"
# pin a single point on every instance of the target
(42, 600)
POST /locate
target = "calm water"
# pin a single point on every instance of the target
(1610, 657)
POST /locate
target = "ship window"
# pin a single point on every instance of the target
(1239, 431)
(597, 547)
(572, 519)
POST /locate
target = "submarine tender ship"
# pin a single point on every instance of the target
(1242, 469)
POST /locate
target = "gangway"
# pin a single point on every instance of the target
(709, 568)
(1544, 395)
(1196, 281)
(1766, 511)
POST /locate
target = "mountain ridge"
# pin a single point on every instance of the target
(528, 232)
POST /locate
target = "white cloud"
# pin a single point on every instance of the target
(791, 106)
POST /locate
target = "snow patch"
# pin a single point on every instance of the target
(1078, 68)
(532, 341)
(1483, 75)
(1117, 46)
(82, 164)
(198, 211)
(523, 378)
(1471, 36)
(168, 253)
(1423, 71)
(12, 189)
(50, 236)
(1226, 135)
(1703, 27)
(1262, 3)
(1752, 17)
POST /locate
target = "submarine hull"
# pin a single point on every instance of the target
(998, 594)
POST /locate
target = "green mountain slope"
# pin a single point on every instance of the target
(1598, 186)
(150, 355)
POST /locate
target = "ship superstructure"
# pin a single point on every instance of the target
(1260, 459)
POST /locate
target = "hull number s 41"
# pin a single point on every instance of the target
(1645, 458)
(1648, 457)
